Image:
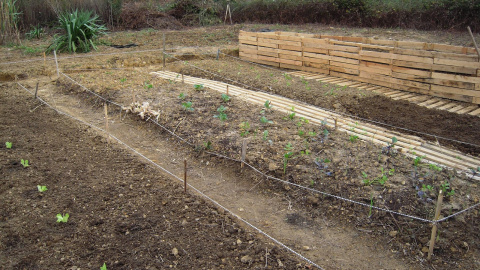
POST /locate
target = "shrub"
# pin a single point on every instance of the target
(81, 30)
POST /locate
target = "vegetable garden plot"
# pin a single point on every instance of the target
(302, 153)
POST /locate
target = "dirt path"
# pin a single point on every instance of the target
(328, 243)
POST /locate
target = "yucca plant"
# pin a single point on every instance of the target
(81, 31)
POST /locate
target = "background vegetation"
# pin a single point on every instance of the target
(25, 15)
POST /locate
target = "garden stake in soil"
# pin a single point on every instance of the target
(56, 63)
(244, 152)
(36, 90)
(163, 49)
(185, 175)
(434, 229)
(106, 120)
(474, 42)
(227, 89)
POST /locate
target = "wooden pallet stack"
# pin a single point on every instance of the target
(427, 68)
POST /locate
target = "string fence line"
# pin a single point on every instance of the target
(287, 182)
(342, 113)
(177, 178)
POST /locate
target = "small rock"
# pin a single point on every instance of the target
(239, 241)
(306, 248)
(393, 233)
(272, 166)
(246, 259)
(175, 251)
(241, 209)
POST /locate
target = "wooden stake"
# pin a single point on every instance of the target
(218, 54)
(227, 89)
(44, 59)
(56, 63)
(434, 229)
(474, 42)
(244, 151)
(106, 119)
(228, 11)
(163, 49)
(183, 81)
(36, 90)
(185, 176)
(335, 123)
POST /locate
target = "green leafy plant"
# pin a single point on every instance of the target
(42, 188)
(302, 121)
(187, 106)
(225, 98)
(24, 163)
(35, 32)
(8, 145)
(366, 180)
(445, 187)
(104, 267)
(291, 115)
(265, 135)
(221, 113)
(62, 218)
(427, 187)
(244, 129)
(122, 80)
(286, 157)
(264, 120)
(147, 85)
(371, 206)
(81, 30)
(288, 147)
(353, 138)
(198, 87)
(267, 105)
(182, 96)
(207, 145)
(301, 133)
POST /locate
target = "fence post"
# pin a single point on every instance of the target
(56, 62)
(36, 90)
(434, 229)
(163, 49)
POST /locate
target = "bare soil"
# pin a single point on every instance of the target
(126, 209)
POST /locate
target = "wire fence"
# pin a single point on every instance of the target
(258, 171)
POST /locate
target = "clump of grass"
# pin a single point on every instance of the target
(82, 28)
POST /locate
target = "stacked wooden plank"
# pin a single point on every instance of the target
(434, 69)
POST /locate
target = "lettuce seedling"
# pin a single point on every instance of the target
(264, 120)
(268, 104)
(62, 218)
(104, 267)
(24, 162)
(188, 106)
(42, 188)
(198, 87)
(225, 98)
(8, 145)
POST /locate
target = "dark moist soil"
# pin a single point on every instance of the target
(378, 108)
(122, 211)
(334, 165)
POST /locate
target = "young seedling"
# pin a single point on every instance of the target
(104, 267)
(244, 129)
(221, 113)
(265, 135)
(366, 180)
(187, 106)
(122, 80)
(268, 105)
(147, 85)
(24, 162)
(302, 121)
(288, 147)
(42, 188)
(182, 96)
(62, 218)
(445, 187)
(8, 145)
(291, 115)
(371, 206)
(225, 98)
(286, 157)
(264, 120)
(325, 136)
(198, 87)
(207, 145)
(353, 138)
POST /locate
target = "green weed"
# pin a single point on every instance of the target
(225, 98)
(42, 188)
(198, 87)
(8, 145)
(24, 163)
(62, 218)
(187, 106)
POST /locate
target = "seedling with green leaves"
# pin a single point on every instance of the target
(244, 128)
(62, 218)
(445, 187)
(302, 121)
(198, 87)
(286, 157)
(147, 85)
(182, 96)
(42, 188)
(268, 105)
(24, 163)
(122, 80)
(265, 135)
(225, 98)
(104, 267)
(264, 120)
(381, 179)
(221, 113)
(187, 106)
(353, 138)
(291, 115)
(8, 145)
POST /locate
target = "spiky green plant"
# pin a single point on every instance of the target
(81, 29)
(9, 18)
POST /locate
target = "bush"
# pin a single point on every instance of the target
(81, 30)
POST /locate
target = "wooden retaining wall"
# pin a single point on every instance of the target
(427, 68)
